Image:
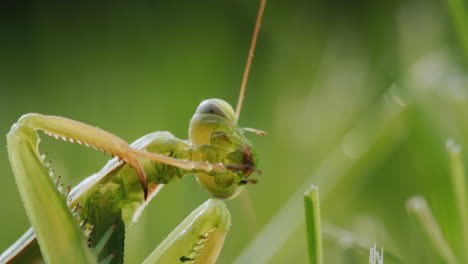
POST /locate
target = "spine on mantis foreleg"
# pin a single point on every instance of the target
(198, 239)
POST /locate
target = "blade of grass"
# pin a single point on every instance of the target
(459, 190)
(314, 228)
(418, 208)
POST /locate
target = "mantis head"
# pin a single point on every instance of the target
(214, 130)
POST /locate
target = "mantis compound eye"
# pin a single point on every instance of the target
(211, 115)
(208, 107)
(216, 107)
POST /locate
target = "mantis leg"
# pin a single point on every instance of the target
(198, 239)
(77, 132)
(26, 249)
(45, 206)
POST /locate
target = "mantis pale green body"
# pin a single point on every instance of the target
(219, 155)
(89, 225)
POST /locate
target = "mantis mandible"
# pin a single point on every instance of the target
(88, 226)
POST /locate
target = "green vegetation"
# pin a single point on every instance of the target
(313, 223)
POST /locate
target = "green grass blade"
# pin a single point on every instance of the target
(419, 209)
(313, 224)
(459, 190)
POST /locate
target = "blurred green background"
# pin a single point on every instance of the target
(358, 98)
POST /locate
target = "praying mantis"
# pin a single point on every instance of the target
(86, 224)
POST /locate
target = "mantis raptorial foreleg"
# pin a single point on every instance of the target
(74, 131)
(39, 195)
(117, 182)
(83, 134)
(38, 190)
(198, 239)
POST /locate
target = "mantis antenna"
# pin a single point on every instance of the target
(249, 58)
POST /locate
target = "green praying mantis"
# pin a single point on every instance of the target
(86, 224)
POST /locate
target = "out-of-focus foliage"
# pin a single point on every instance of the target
(358, 97)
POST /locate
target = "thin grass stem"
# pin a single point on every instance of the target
(313, 224)
(417, 206)
(459, 190)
